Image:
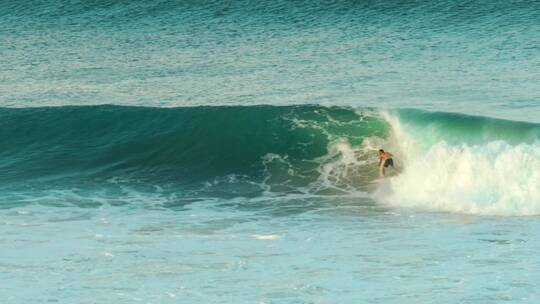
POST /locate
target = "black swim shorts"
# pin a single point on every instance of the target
(388, 162)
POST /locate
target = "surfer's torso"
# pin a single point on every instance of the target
(386, 159)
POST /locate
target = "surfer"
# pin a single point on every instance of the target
(385, 161)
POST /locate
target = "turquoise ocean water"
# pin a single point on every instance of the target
(225, 151)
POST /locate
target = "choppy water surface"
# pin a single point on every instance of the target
(480, 57)
(235, 158)
(335, 251)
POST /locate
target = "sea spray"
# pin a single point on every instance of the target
(493, 169)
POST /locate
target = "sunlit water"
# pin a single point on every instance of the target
(269, 204)
(355, 252)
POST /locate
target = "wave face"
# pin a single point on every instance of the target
(280, 147)
(447, 162)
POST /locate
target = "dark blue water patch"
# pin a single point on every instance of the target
(205, 15)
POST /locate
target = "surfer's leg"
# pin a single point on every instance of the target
(382, 170)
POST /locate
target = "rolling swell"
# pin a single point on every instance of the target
(178, 53)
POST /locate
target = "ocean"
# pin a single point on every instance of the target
(226, 151)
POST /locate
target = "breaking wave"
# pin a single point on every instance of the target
(447, 162)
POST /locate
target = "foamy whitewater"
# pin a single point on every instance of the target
(494, 172)
(226, 152)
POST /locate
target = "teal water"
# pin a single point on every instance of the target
(479, 57)
(225, 152)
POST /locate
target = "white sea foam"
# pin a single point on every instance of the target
(269, 237)
(488, 178)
